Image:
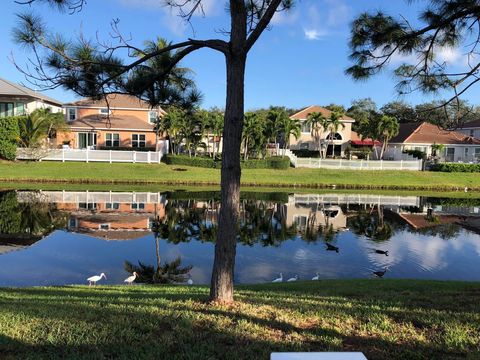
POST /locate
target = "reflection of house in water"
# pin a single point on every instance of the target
(330, 209)
(108, 215)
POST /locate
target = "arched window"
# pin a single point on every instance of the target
(335, 136)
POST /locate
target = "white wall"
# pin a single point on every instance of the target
(471, 132)
(463, 153)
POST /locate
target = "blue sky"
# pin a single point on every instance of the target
(299, 62)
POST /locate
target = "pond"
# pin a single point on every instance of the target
(63, 237)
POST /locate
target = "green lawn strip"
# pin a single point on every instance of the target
(129, 174)
(46, 186)
(385, 319)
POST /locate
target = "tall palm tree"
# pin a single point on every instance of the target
(334, 123)
(288, 127)
(274, 117)
(388, 127)
(318, 124)
(253, 133)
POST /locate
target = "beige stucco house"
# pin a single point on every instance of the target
(307, 141)
(17, 100)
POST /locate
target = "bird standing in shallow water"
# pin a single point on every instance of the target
(316, 277)
(279, 279)
(131, 279)
(92, 280)
(295, 278)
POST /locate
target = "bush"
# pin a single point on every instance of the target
(185, 160)
(416, 154)
(305, 153)
(455, 167)
(275, 162)
(125, 148)
(9, 134)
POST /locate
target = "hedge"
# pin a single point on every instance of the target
(9, 134)
(275, 162)
(455, 167)
(421, 155)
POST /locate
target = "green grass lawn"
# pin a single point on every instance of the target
(385, 319)
(169, 174)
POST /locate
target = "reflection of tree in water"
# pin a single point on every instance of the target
(443, 231)
(30, 218)
(168, 273)
(371, 223)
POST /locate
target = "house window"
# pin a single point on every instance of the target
(138, 140)
(105, 111)
(87, 206)
(110, 206)
(477, 153)
(472, 133)
(20, 109)
(138, 206)
(104, 226)
(71, 114)
(304, 146)
(449, 154)
(305, 127)
(152, 117)
(6, 109)
(112, 140)
(466, 153)
(72, 223)
(300, 221)
(335, 136)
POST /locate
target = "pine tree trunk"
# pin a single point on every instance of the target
(221, 288)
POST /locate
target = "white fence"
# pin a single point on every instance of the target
(354, 164)
(85, 155)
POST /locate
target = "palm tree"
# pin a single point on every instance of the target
(274, 117)
(171, 122)
(288, 127)
(40, 125)
(334, 123)
(253, 133)
(388, 127)
(318, 124)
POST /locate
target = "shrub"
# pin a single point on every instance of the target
(9, 135)
(185, 160)
(416, 154)
(455, 167)
(126, 148)
(305, 153)
(275, 162)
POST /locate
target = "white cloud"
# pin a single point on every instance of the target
(313, 34)
(448, 55)
(325, 18)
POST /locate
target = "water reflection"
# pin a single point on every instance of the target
(64, 236)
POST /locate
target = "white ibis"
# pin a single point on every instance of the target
(379, 273)
(279, 279)
(189, 281)
(316, 277)
(295, 278)
(131, 279)
(93, 279)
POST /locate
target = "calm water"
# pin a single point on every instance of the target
(61, 237)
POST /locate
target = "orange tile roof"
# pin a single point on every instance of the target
(426, 133)
(302, 114)
(114, 122)
(114, 101)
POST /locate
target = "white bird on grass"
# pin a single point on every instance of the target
(93, 279)
(131, 279)
(295, 278)
(279, 279)
(316, 277)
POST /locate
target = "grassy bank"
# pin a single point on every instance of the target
(385, 319)
(182, 175)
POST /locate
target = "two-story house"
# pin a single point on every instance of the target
(335, 143)
(17, 100)
(119, 121)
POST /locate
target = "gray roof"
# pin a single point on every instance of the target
(10, 88)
